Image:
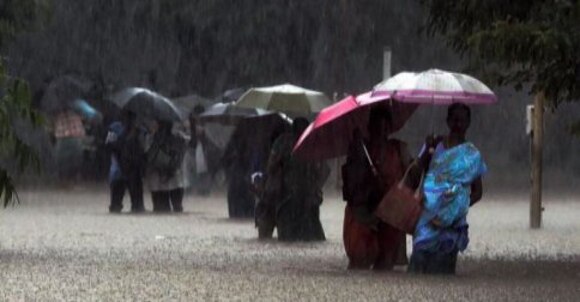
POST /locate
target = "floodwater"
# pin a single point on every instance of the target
(63, 245)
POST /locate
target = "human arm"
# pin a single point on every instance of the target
(476, 191)
(421, 165)
(357, 187)
(356, 175)
(431, 143)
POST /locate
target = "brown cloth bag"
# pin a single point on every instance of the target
(401, 206)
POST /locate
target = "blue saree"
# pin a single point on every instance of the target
(447, 190)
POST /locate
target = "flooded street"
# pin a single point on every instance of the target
(66, 246)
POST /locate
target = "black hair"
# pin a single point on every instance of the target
(379, 113)
(197, 110)
(458, 106)
(165, 124)
(128, 115)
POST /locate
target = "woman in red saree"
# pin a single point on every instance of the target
(373, 166)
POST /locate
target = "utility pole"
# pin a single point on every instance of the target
(387, 54)
(537, 144)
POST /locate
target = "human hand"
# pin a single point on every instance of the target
(436, 222)
(111, 137)
(431, 142)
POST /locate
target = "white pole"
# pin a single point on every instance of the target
(387, 54)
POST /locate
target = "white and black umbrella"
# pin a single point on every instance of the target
(289, 99)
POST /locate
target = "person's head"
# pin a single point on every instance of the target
(299, 125)
(197, 110)
(380, 122)
(128, 118)
(195, 113)
(458, 118)
(279, 130)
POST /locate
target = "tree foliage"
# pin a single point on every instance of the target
(517, 42)
(15, 101)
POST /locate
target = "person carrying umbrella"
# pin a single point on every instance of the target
(453, 165)
(204, 155)
(297, 193)
(127, 144)
(246, 154)
(452, 184)
(166, 168)
(373, 165)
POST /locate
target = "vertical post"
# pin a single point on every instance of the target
(387, 54)
(537, 141)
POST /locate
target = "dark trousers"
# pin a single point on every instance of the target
(135, 187)
(424, 262)
(164, 201)
(265, 217)
(241, 201)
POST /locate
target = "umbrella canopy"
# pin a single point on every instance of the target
(231, 95)
(331, 132)
(221, 119)
(188, 102)
(250, 143)
(87, 111)
(227, 113)
(435, 86)
(292, 100)
(150, 104)
(62, 92)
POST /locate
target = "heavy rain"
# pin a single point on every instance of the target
(376, 150)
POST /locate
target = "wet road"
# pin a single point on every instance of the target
(65, 246)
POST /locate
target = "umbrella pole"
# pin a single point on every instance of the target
(433, 116)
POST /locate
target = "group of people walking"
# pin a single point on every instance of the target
(288, 192)
(447, 171)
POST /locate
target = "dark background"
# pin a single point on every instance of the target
(180, 47)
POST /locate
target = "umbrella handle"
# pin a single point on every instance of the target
(433, 115)
(368, 156)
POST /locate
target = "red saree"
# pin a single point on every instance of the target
(383, 247)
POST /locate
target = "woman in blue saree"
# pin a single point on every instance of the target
(452, 184)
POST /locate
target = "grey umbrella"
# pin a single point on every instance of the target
(189, 102)
(231, 95)
(147, 103)
(227, 113)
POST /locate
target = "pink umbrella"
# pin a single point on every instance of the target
(436, 87)
(331, 132)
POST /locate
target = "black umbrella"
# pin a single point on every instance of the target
(222, 120)
(63, 91)
(147, 103)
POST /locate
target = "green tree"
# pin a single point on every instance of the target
(519, 42)
(15, 100)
